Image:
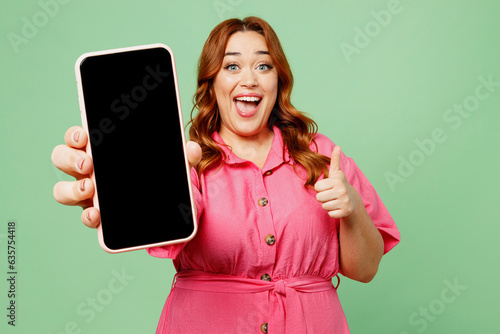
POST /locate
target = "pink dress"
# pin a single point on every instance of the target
(265, 252)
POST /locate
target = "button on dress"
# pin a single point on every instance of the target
(266, 252)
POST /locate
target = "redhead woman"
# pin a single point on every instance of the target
(281, 210)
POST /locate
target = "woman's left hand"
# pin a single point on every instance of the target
(335, 193)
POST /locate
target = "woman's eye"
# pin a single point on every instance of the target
(264, 67)
(232, 67)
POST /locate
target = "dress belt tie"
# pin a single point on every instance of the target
(283, 299)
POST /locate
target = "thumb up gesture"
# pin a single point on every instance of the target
(337, 196)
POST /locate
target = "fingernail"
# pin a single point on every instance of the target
(79, 163)
(82, 186)
(87, 215)
(76, 136)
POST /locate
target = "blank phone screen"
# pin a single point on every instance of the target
(137, 147)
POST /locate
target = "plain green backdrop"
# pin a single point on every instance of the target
(409, 88)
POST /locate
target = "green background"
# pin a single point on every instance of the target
(401, 83)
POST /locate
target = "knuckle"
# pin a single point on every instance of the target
(55, 192)
(342, 191)
(58, 192)
(333, 214)
(328, 206)
(56, 154)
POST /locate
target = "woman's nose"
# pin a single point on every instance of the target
(248, 78)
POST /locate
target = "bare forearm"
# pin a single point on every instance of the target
(361, 246)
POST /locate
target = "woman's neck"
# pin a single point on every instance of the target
(253, 148)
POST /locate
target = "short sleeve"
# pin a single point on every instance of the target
(374, 206)
(172, 251)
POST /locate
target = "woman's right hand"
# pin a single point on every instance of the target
(73, 160)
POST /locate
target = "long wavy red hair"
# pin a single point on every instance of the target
(297, 129)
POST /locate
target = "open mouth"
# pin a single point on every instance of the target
(247, 106)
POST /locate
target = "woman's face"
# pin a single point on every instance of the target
(246, 86)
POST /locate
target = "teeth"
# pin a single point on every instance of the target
(248, 98)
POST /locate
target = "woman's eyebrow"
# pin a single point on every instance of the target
(239, 53)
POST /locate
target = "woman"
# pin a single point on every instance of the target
(281, 209)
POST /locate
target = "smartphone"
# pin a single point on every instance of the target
(131, 111)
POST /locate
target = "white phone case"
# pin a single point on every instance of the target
(89, 151)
